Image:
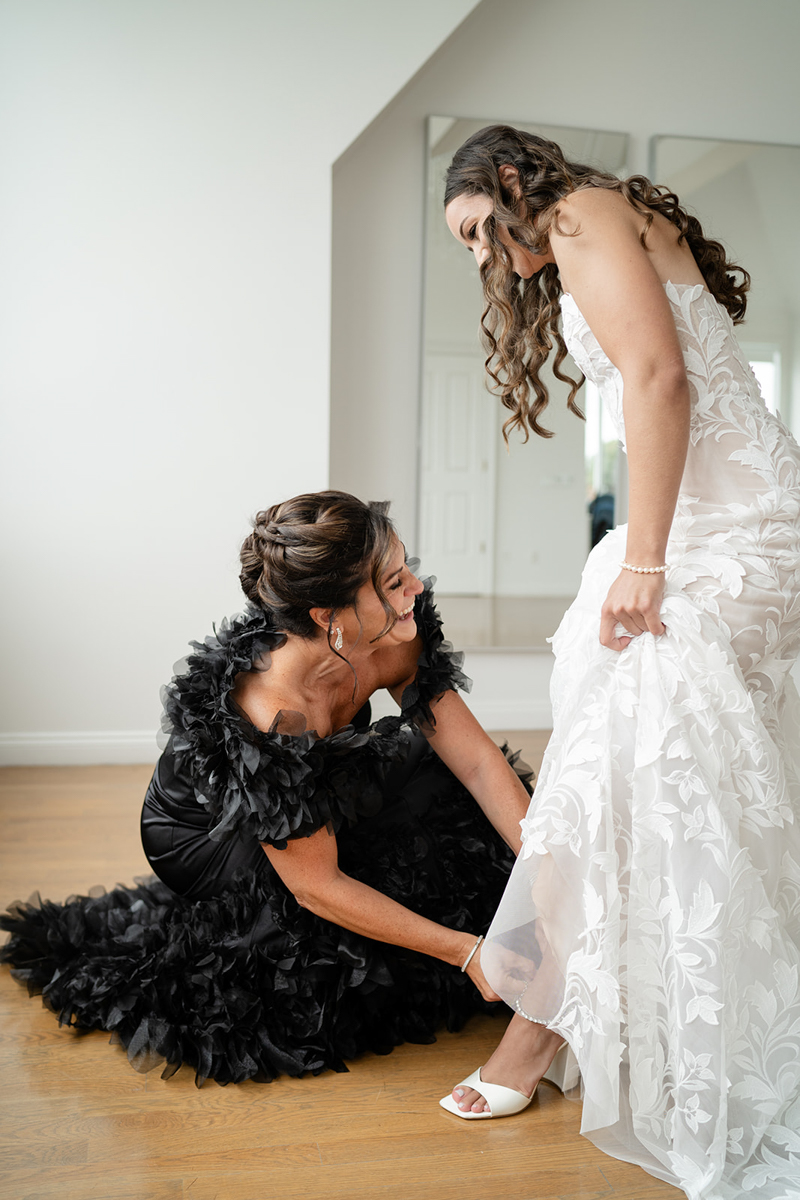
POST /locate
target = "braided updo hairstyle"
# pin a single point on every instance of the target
(316, 551)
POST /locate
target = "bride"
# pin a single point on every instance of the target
(653, 917)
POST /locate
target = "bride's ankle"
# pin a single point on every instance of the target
(524, 1053)
(531, 1036)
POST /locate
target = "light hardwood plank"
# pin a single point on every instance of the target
(78, 1123)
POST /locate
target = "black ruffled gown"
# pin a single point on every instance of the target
(214, 964)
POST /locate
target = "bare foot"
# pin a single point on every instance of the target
(525, 1052)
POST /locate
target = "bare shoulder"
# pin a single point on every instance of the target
(593, 208)
(613, 279)
(253, 695)
(596, 231)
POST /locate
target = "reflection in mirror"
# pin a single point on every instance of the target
(506, 533)
(745, 195)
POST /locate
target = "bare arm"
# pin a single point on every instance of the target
(615, 286)
(475, 760)
(309, 867)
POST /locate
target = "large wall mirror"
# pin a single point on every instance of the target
(506, 531)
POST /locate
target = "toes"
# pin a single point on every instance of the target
(469, 1100)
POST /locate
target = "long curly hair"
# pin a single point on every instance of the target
(520, 323)
(316, 551)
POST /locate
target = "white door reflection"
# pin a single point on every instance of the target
(457, 474)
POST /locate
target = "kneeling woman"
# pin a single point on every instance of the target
(322, 879)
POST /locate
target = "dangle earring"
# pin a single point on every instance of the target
(337, 645)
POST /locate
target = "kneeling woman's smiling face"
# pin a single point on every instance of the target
(364, 623)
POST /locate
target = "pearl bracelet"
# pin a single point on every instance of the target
(645, 570)
(471, 953)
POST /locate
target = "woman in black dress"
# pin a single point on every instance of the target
(323, 880)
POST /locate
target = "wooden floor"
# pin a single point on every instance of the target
(78, 1123)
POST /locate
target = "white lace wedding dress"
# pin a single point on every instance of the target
(653, 917)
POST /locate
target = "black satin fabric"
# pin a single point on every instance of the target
(175, 828)
(175, 839)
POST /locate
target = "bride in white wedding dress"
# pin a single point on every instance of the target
(653, 917)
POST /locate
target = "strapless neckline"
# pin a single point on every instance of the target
(700, 288)
(702, 323)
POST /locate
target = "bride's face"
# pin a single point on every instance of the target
(466, 220)
(367, 619)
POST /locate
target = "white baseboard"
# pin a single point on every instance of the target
(73, 748)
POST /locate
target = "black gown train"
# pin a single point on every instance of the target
(214, 964)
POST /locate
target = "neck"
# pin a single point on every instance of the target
(308, 667)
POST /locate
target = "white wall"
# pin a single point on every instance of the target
(715, 68)
(164, 322)
(165, 232)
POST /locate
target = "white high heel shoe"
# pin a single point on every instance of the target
(503, 1101)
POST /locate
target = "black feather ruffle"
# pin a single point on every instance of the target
(270, 786)
(249, 985)
(438, 666)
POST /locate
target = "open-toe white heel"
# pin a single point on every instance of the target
(502, 1101)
